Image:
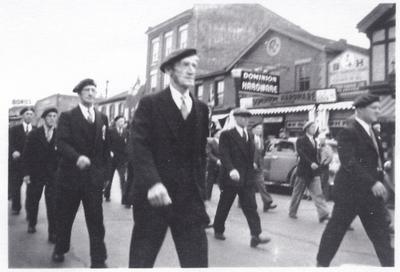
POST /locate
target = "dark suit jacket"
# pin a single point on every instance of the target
(16, 142)
(154, 136)
(40, 157)
(118, 145)
(236, 154)
(72, 141)
(307, 154)
(358, 164)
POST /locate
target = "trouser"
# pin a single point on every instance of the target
(314, 188)
(148, 235)
(67, 205)
(33, 196)
(249, 207)
(262, 189)
(212, 174)
(121, 170)
(325, 182)
(373, 219)
(16, 183)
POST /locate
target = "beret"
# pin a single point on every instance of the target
(364, 100)
(241, 112)
(48, 110)
(86, 82)
(176, 56)
(26, 109)
(117, 117)
(307, 124)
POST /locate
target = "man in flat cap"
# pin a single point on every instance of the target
(358, 188)
(40, 164)
(308, 174)
(83, 144)
(169, 134)
(17, 138)
(238, 169)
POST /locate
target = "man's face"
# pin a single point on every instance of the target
(242, 121)
(27, 116)
(311, 129)
(120, 122)
(183, 72)
(257, 130)
(50, 119)
(88, 95)
(370, 113)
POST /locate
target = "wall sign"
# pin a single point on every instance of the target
(273, 46)
(259, 83)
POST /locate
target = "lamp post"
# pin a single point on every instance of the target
(107, 88)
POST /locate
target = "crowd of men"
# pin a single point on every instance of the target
(167, 167)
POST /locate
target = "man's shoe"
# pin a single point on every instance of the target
(107, 199)
(219, 236)
(52, 238)
(99, 265)
(31, 229)
(57, 257)
(293, 216)
(269, 206)
(15, 212)
(324, 218)
(256, 240)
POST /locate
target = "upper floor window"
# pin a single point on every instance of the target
(220, 92)
(211, 96)
(155, 46)
(199, 92)
(182, 36)
(166, 81)
(121, 108)
(167, 43)
(112, 111)
(302, 74)
(383, 43)
(153, 79)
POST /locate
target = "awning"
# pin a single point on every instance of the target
(388, 109)
(217, 117)
(266, 111)
(343, 105)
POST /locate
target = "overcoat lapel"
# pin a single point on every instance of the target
(42, 136)
(77, 116)
(99, 126)
(239, 140)
(365, 135)
(168, 110)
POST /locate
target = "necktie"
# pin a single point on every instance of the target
(184, 109)
(244, 135)
(49, 135)
(26, 130)
(372, 134)
(90, 117)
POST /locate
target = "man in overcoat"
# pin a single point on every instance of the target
(359, 188)
(169, 133)
(83, 144)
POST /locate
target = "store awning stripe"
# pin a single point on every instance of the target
(279, 110)
(388, 108)
(343, 105)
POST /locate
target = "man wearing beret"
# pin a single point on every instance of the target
(169, 134)
(17, 137)
(308, 174)
(40, 165)
(358, 188)
(83, 144)
(238, 178)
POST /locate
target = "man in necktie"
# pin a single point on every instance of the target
(169, 133)
(119, 157)
(308, 174)
(359, 188)
(40, 164)
(17, 138)
(238, 169)
(84, 147)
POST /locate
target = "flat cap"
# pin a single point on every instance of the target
(364, 100)
(177, 56)
(307, 124)
(21, 112)
(48, 110)
(241, 112)
(86, 82)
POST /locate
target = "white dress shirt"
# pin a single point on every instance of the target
(85, 111)
(177, 97)
(29, 126)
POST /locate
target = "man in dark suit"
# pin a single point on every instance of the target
(17, 137)
(213, 162)
(169, 134)
(308, 175)
(40, 165)
(258, 160)
(119, 157)
(359, 188)
(83, 144)
(237, 156)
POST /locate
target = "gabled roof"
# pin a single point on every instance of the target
(377, 13)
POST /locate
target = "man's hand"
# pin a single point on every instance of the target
(234, 175)
(387, 165)
(158, 195)
(219, 162)
(255, 166)
(27, 180)
(314, 166)
(16, 154)
(111, 154)
(83, 162)
(379, 190)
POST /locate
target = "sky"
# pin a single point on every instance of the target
(48, 46)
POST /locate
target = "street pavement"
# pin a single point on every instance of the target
(294, 242)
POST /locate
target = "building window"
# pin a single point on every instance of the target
(302, 73)
(165, 81)
(167, 43)
(112, 112)
(391, 58)
(182, 36)
(220, 92)
(211, 97)
(155, 46)
(378, 62)
(121, 108)
(199, 92)
(153, 79)
(378, 35)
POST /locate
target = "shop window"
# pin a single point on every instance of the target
(378, 62)
(155, 46)
(302, 73)
(167, 43)
(182, 36)
(220, 92)
(199, 92)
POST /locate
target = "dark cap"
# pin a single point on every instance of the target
(48, 110)
(21, 112)
(365, 100)
(86, 82)
(176, 56)
(117, 117)
(307, 124)
(241, 112)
